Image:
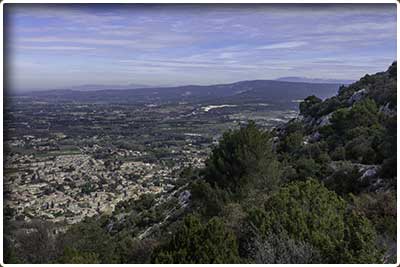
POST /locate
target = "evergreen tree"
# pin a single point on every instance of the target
(241, 155)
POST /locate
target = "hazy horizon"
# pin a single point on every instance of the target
(98, 87)
(62, 46)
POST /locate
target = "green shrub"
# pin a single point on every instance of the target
(196, 242)
(309, 212)
(73, 256)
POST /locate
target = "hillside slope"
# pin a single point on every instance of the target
(319, 189)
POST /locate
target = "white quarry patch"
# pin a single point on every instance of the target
(192, 134)
(277, 119)
(210, 107)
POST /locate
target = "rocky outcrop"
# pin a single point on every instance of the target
(368, 174)
(314, 123)
(357, 96)
(387, 111)
(315, 137)
(324, 120)
(184, 198)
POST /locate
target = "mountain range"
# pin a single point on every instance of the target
(238, 92)
(313, 80)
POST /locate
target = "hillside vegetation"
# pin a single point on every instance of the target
(319, 189)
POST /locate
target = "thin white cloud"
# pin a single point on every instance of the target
(357, 27)
(151, 41)
(63, 48)
(284, 45)
(210, 64)
(93, 41)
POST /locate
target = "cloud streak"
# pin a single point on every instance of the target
(284, 45)
(57, 48)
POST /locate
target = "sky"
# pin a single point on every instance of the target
(60, 46)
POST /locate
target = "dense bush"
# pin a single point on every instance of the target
(380, 209)
(207, 200)
(196, 242)
(30, 242)
(309, 212)
(73, 256)
(131, 250)
(275, 248)
(345, 180)
(90, 241)
(309, 107)
(359, 130)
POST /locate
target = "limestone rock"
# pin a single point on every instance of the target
(357, 96)
(387, 110)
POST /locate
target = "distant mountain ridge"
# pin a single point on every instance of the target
(313, 80)
(239, 92)
(97, 87)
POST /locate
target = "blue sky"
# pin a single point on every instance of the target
(58, 46)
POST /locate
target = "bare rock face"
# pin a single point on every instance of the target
(315, 137)
(275, 143)
(184, 197)
(314, 123)
(387, 110)
(324, 120)
(368, 171)
(357, 96)
(308, 120)
(368, 175)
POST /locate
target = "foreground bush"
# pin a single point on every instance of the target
(309, 212)
(196, 242)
